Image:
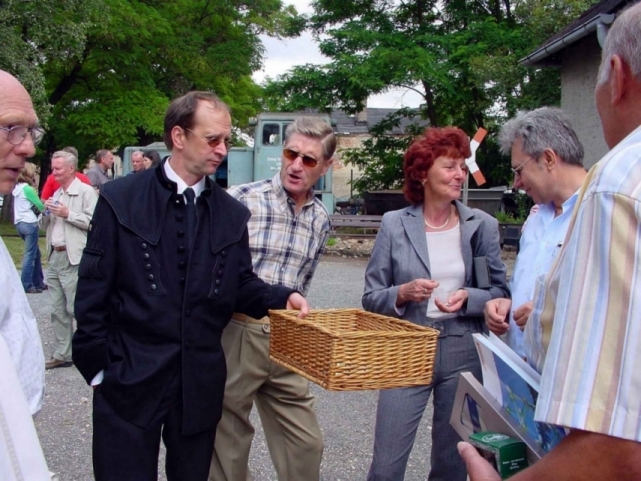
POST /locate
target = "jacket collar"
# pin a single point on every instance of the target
(73, 189)
(414, 226)
(141, 203)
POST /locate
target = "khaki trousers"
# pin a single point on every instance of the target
(284, 404)
(62, 279)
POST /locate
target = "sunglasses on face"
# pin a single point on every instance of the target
(213, 142)
(292, 155)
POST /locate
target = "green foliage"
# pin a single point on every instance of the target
(504, 217)
(524, 204)
(462, 57)
(381, 156)
(104, 71)
(34, 33)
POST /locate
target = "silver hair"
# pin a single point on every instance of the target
(540, 129)
(68, 157)
(317, 128)
(624, 40)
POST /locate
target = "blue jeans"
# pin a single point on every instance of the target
(31, 265)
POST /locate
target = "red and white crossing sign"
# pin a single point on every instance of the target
(472, 166)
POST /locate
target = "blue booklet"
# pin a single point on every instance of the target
(515, 386)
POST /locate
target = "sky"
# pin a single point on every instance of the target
(282, 55)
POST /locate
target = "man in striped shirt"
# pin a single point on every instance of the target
(589, 305)
(288, 233)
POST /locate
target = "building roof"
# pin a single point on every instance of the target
(547, 54)
(359, 124)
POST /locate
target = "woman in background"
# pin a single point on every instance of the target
(25, 205)
(151, 158)
(422, 270)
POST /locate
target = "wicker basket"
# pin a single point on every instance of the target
(351, 349)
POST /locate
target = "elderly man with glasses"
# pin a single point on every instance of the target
(288, 233)
(547, 162)
(22, 373)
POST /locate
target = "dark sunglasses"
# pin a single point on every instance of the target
(292, 155)
(213, 142)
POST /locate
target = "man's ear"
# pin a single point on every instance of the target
(549, 159)
(619, 80)
(326, 165)
(178, 137)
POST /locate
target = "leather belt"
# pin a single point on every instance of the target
(59, 248)
(245, 318)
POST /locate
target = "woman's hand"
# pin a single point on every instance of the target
(454, 302)
(418, 290)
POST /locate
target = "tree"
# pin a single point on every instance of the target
(104, 71)
(462, 57)
(144, 54)
(35, 33)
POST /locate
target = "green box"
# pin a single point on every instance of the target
(508, 455)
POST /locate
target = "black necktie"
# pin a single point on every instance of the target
(190, 197)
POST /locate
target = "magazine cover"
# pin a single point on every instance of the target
(515, 385)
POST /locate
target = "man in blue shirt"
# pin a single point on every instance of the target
(547, 162)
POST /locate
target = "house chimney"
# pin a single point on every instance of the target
(361, 117)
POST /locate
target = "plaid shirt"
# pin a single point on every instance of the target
(286, 247)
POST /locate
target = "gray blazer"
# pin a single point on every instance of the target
(400, 256)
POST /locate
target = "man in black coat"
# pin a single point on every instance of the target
(167, 262)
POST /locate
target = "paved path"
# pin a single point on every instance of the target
(347, 419)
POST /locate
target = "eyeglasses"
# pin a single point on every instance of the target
(292, 155)
(213, 142)
(18, 133)
(517, 170)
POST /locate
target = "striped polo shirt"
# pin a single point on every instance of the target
(589, 318)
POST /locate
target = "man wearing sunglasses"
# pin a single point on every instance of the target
(288, 234)
(547, 162)
(167, 262)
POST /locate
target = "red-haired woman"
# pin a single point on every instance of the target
(422, 270)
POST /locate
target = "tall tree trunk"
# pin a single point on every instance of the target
(7, 209)
(429, 99)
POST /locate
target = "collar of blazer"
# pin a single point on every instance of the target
(469, 221)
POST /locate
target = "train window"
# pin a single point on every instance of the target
(285, 129)
(271, 134)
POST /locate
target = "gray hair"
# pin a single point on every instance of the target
(316, 128)
(624, 40)
(68, 157)
(100, 154)
(72, 150)
(540, 129)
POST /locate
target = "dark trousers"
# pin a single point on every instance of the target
(125, 452)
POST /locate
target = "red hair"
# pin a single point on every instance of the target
(424, 150)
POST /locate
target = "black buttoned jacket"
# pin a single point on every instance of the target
(150, 308)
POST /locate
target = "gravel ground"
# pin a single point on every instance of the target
(346, 418)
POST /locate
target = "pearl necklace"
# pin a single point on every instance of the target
(441, 226)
